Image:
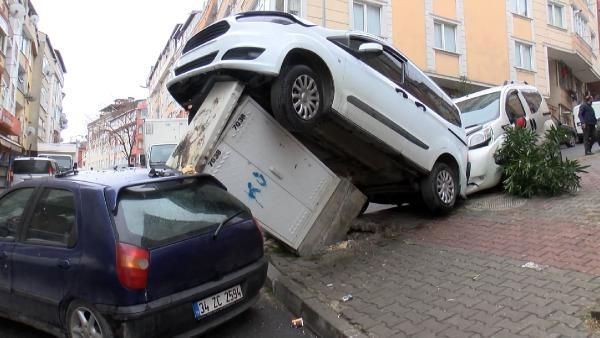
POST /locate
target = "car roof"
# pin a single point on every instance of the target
(34, 158)
(495, 90)
(111, 182)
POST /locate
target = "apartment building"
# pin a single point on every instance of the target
(47, 88)
(114, 137)
(160, 102)
(466, 45)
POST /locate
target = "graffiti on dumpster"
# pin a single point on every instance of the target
(252, 190)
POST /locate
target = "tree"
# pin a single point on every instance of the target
(121, 131)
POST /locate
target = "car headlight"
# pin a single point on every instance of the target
(481, 138)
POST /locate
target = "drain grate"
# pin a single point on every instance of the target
(495, 202)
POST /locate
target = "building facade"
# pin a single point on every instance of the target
(467, 45)
(114, 137)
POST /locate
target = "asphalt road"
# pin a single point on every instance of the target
(268, 318)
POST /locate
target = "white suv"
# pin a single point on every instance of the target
(359, 104)
(486, 114)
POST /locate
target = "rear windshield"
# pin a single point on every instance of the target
(64, 162)
(31, 167)
(156, 214)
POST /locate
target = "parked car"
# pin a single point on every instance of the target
(570, 132)
(105, 254)
(486, 115)
(596, 106)
(27, 168)
(394, 130)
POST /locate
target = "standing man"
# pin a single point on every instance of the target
(587, 117)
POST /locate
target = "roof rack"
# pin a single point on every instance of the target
(515, 82)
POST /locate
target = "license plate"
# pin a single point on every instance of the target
(217, 301)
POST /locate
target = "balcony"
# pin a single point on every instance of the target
(580, 59)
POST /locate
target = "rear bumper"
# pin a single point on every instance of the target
(173, 315)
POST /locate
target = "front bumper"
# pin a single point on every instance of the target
(484, 172)
(173, 315)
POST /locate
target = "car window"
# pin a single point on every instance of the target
(480, 109)
(384, 63)
(533, 99)
(53, 219)
(11, 211)
(514, 107)
(152, 215)
(31, 166)
(424, 89)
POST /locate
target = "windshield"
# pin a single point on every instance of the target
(161, 153)
(156, 214)
(64, 162)
(480, 109)
(31, 166)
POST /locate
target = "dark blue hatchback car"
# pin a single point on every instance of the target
(122, 254)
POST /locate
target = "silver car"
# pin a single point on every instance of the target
(27, 168)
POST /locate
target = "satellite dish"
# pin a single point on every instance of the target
(17, 10)
(35, 19)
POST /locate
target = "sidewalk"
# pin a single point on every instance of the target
(462, 275)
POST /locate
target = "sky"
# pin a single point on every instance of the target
(108, 47)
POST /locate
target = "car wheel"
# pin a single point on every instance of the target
(440, 188)
(298, 99)
(84, 321)
(572, 141)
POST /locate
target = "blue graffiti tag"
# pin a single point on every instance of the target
(252, 191)
(260, 179)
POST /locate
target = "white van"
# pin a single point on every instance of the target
(486, 114)
(596, 106)
(27, 168)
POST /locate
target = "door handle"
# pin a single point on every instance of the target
(276, 173)
(398, 90)
(64, 264)
(420, 105)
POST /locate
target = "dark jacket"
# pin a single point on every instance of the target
(587, 114)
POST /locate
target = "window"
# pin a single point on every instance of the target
(519, 7)
(533, 99)
(430, 94)
(289, 6)
(555, 14)
(514, 107)
(367, 18)
(384, 63)
(53, 220)
(149, 129)
(523, 56)
(445, 36)
(11, 211)
(166, 212)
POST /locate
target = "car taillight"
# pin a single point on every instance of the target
(132, 266)
(10, 176)
(50, 171)
(262, 234)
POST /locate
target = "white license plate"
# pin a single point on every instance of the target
(217, 301)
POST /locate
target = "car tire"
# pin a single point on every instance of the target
(82, 318)
(439, 189)
(572, 141)
(298, 98)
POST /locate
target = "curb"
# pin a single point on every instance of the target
(315, 315)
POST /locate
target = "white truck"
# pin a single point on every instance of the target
(65, 154)
(160, 138)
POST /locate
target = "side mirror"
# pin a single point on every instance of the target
(370, 48)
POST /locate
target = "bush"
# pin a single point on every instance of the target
(533, 168)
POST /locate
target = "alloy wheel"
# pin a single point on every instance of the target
(84, 324)
(305, 97)
(445, 186)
